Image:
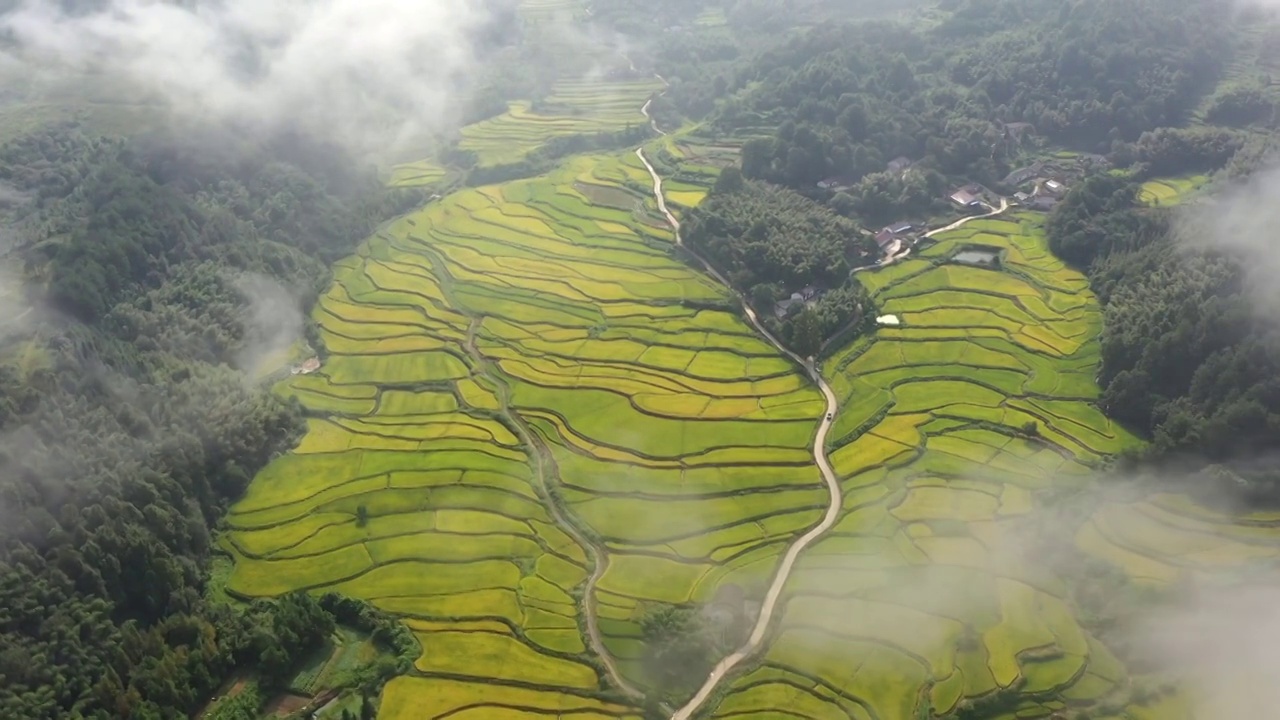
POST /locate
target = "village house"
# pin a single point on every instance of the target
(803, 297)
(1044, 202)
(1015, 131)
(1021, 198)
(1022, 175)
(968, 197)
(891, 236)
(899, 164)
(1053, 187)
(1093, 161)
(884, 238)
(837, 183)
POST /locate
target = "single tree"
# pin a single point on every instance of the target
(806, 333)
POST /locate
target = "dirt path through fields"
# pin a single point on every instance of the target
(753, 643)
(542, 458)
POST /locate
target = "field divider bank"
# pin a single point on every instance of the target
(542, 457)
(753, 643)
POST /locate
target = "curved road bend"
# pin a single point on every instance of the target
(819, 456)
(1004, 205)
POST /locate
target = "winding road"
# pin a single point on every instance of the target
(1004, 205)
(753, 643)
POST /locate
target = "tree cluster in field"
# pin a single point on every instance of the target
(125, 430)
(1186, 359)
(1175, 151)
(770, 242)
(682, 644)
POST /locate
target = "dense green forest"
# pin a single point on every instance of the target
(1188, 356)
(844, 99)
(125, 424)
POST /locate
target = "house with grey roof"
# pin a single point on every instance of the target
(968, 197)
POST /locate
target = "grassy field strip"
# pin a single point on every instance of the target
(950, 425)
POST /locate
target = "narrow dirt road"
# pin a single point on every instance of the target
(1004, 205)
(819, 457)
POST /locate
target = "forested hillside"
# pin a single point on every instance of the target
(1188, 356)
(127, 422)
(847, 99)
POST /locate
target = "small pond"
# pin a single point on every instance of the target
(977, 256)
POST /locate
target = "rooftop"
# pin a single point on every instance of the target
(901, 162)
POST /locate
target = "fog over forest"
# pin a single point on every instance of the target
(494, 358)
(367, 73)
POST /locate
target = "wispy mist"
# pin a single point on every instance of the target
(359, 71)
(1241, 220)
(272, 323)
(1222, 646)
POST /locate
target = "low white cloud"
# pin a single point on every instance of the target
(1241, 221)
(273, 322)
(355, 70)
(1222, 645)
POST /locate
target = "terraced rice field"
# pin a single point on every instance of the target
(577, 106)
(1167, 538)
(1167, 192)
(950, 427)
(532, 420)
(545, 11)
(500, 346)
(516, 369)
(711, 17)
(415, 174)
(699, 163)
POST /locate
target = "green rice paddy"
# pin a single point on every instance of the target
(501, 344)
(421, 173)
(1167, 538)
(522, 387)
(1167, 192)
(576, 106)
(949, 426)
